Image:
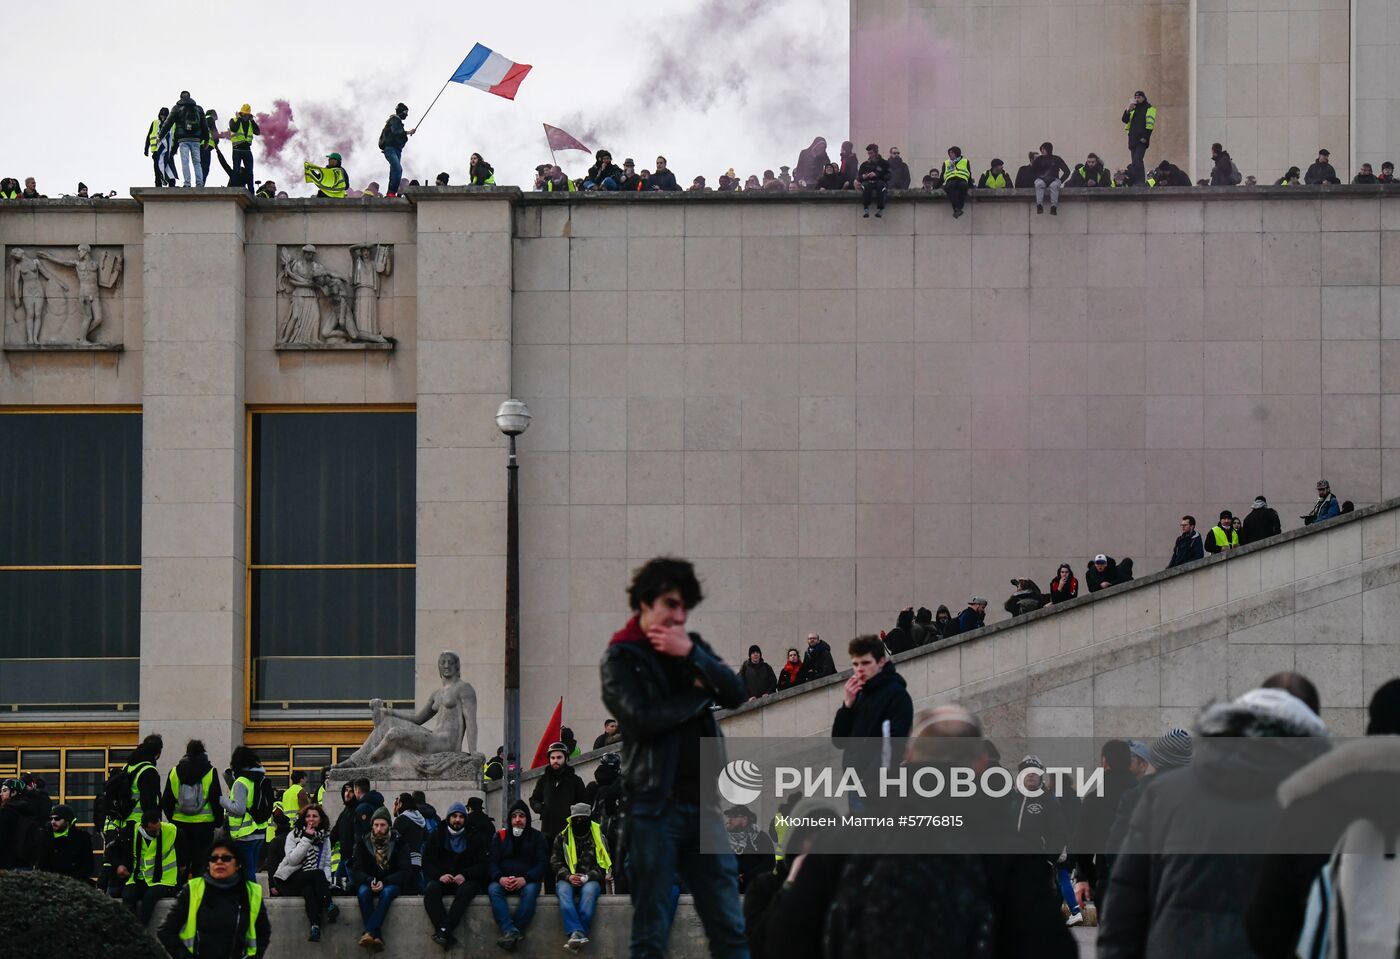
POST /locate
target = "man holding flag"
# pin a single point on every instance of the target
(331, 180)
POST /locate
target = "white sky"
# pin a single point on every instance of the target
(709, 83)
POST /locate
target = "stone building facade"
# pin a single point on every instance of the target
(834, 417)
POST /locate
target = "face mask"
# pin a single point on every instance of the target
(518, 830)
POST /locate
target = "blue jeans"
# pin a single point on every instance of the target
(243, 169)
(1067, 890)
(523, 912)
(248, 850)
(189, 154)
(578, 917)
(667, 843)
(395, 169)
(374, 915)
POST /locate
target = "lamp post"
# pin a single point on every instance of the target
(512, 419)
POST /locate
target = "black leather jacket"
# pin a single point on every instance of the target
(649, 707)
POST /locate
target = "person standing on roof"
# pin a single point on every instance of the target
(1139, 120)
(241, 130)
(392, 139)
(189, 125)
(159, 147)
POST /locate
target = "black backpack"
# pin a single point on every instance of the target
(262, 802)
(191, 119)
(118, 798)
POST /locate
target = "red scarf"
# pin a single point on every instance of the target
(631, 633)
(791, 670)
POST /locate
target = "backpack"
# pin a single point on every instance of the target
(1355, 899)
(190, 799)
(118, 793)
(262, 802)
(1236, 177)
(191, 119)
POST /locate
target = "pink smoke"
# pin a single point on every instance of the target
(277, 129)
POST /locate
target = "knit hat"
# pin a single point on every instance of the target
(476, 804)
(1172, 750)
(1031, 762)
(1139, 749)
(1284, 706)
(754, 649)
(382, 813)
(580, 809)
(456, 807)
(1384, 710)
(62, 811)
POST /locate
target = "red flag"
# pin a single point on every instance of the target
(559, 140)
(551, 736)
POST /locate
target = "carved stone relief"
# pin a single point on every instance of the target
(328, 299)
(63, 298)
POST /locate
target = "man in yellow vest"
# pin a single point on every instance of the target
(996, 178)
(331, 180)
(191, 799)
(157, 862)
(158, 148)
(1223, 535)
(957, 179)
(580, 862)
(241, 130)
(1139, 120)
(211, 137)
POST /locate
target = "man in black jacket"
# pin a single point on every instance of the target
(604, 174)
(191, 128)
(900, 177)
(663, 179)
(817, 661)
(1139, 119)
(382, 869)
(1096, 812)
(1103, 571)
(1090, 173)
(661, 682)
(875, 708)
(1261, 523)
(1048, 172)
(392, 139)
(759, 678)
(1321, 170)
(64, 848)
(455, 863)
(519, 861)
(1222, 171)
(874, 178)
(1188, 544)
(555, 791)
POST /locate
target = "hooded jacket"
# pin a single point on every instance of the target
(811, 162)
(1136, 119)
(899, 174)
(18, 833)
(587, 862)
(817, 662)
(1320, 173)
(661, 709)
(190, 770)
(1357, 780)
(759, 678)
(969, 619)
(1261, 523)
(1177, 904)
(555, 791)
(1188, 547)
(924, 632)
(944, 625)
(526, 855)
(188, 121)
(1222, 171)
(901, 638)
(67, 855)
(393, 136)
(1095, 580)
(1096, 814)
(439, 858)
(882, 710)
(412, 827)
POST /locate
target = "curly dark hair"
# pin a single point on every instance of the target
(661, 575)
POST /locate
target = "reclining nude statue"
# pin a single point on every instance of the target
(404, 738)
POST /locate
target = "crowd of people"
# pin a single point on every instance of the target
(188, 133)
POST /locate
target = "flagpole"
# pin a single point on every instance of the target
(430, 106)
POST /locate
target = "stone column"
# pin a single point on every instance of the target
(193, 490)
(464, 302)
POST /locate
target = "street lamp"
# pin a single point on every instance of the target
(512, 419)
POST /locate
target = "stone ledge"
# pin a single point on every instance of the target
(64, 348)
(348, 346)
(419, 194)
(65, 204)
(207, 194)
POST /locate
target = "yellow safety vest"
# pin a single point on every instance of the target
(1151, 118)
(241, 827)
(135, 773)
(549, 187)
(152, 873)
(1224, 541)
(153, 136)
(331, 180)
(291, 800)
(189, 932)
(997, 181)
(206, 814)
(9, 194)
(600, 848)
(211, 135)
(241, 132)
(957, 170)
(782, 829)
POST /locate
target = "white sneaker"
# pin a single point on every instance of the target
(1075, 919)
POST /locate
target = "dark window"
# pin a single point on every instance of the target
(70, 554)
(331, 573)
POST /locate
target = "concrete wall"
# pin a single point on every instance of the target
(997, 79)
(1376, 40)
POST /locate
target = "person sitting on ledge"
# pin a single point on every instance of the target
(1291, 178)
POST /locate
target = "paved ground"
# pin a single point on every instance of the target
(1086, 936)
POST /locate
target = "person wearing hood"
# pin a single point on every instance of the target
(751, 845)
(817, 661)
(848, 162)
(1139, 120)
(455, 863)
(191, 798)
(900, 639)
(758, 677)
(811, 162)
(392, 139)
(556, 791)
(1043, 828)
(16, 827)
(974, 617)
(64, 848)
(1261, 523)
(1356, 781)
(217, 915)
(1104, 571)
(1026, 599)
(1191, 901)
(922, 631)
(412, 827)
(305, 869)
(190, 127)
(1326, 506)
(580, 863)
(343, 835)
(1222, 171)
(1064, 587)
(791, 673)
(160, 148)
(830, 179)
(875, 706)
(943, 623)
(1321, 170)
(518, 863)
(604, 174)
(570, 741)
(1096, 812)
(153, 859)
(245, 776)
(1168, 174)
(382, 869)
(606, 798)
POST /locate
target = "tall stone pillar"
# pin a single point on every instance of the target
(193, 450)
(464, 302)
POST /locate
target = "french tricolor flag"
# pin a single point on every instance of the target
(487, 70)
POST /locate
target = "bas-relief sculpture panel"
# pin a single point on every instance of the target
(328, 297)
(63, 298)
